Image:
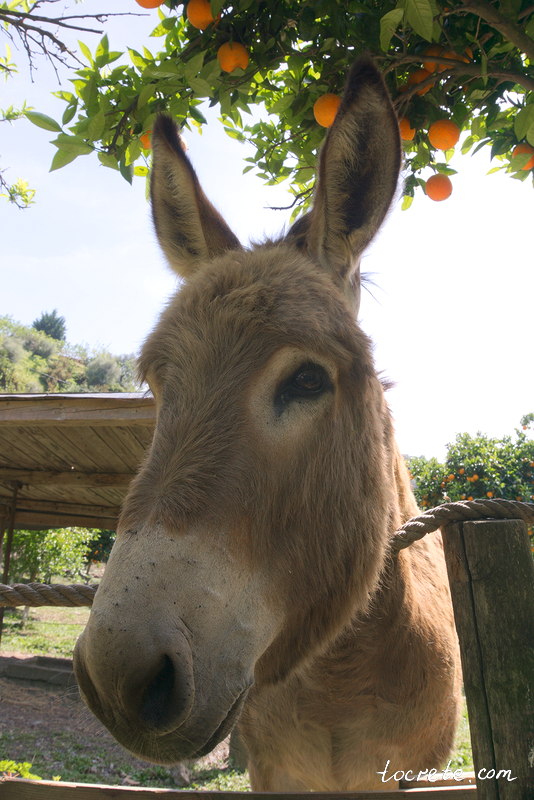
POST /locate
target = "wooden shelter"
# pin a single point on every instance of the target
(67, 459)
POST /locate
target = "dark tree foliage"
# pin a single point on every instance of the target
(51, 324)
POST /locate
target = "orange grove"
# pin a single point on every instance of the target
(232, 55)
(443, 134)
(438, 187)
(198, 12)
(406, 131)
(325, 109)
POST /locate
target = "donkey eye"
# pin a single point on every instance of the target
(309, 380)
(306, 383)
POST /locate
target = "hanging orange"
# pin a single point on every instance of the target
(198, 12)
(433, 50)
(443, 134)
(145, 140)
(232, 55)
(150, 3)
(438, 187)
(418, 76)
(325, 109)
(524, 149)
(406, 131)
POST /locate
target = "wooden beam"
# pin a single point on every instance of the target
(46, 410)
(18, 789)
(28, 505)
(42, 521)
(69, 478)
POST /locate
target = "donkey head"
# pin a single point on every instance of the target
(258, 523)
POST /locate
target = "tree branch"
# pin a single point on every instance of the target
(511, 32)
(455, 67)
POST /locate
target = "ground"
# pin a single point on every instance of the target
(51, 728)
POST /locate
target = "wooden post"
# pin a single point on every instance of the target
(491, 575)
(9, 543)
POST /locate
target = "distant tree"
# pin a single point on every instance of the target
(32, 361)
(478, 467)
(100, 546)
(51, 324)
(48, 554)
(103, 370)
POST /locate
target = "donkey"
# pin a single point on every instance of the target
(252, 576)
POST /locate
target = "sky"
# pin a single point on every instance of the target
(450, 307)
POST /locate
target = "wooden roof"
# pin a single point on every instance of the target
(71, 455)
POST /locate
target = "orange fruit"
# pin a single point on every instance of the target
(198, 12)
(232, 55)
(406, 131)
(443, 134)
(461, 471)
(325, 109)
(433, 50)
(470, 497)
(524, 149)
(418, 76)
(145, 140)
(489, 494)
(149, 3)
(453, 57)
(438, 187)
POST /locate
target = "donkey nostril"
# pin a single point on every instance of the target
(156, 705)
(167, 699)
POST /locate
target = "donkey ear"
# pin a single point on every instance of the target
(357, 178)
(189, 228)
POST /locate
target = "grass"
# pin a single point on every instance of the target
(74, 757)
(47, 631)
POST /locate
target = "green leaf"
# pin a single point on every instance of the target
(137, 59)
(126, 170)
(194, 65)
(87, 53)
(420, 15)
(524, 122)
(145, 94)
(407, 201)
(43, 121)
(62, 158)
(388, 25)
(197, 115)
(69, 112)
(72, 144)
(103, 47)
(108, 160)
(97, 125)
(200, 87)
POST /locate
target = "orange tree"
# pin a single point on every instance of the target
(467, 61)
(479, 467)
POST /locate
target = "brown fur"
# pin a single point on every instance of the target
(252, 570)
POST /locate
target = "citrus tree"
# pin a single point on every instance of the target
(479, 467)
(46, 554)
(452, 66)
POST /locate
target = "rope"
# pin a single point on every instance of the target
(41, 594)
(434, 518)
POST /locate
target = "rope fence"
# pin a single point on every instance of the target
(41, 594)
